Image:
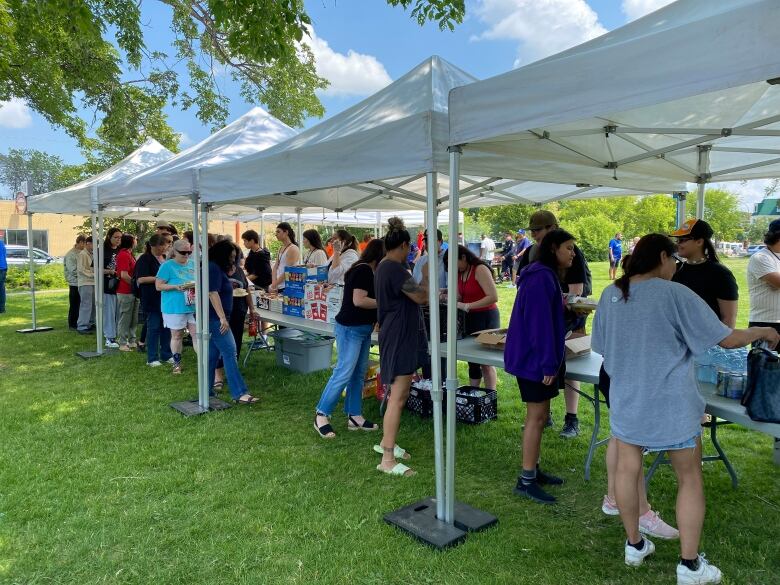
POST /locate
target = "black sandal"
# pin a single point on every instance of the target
(250, 400)
(367, 425)
(325, 431)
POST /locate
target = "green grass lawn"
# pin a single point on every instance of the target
(101, 482)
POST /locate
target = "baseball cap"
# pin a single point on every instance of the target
(694, 228)
(520, 232)
(163, 224)
(541, 219)
(774, 226)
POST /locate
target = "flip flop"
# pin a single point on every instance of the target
(250, 400)
(398, 452)
(218, 385)
(399, 470)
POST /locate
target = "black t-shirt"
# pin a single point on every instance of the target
(574, 275)
(148, 265)
(711, 281)
(359, 277)
(259, 264)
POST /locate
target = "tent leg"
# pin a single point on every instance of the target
(425, 519)
(681, 212)
(463, 515)
(97, 250)
(704, 169)
(34, 328)
(299, 226)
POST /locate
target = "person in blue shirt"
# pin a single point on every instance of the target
(3, 272)
(615, 254)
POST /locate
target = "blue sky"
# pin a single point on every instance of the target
(361, 45)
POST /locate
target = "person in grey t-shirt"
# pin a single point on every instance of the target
(655, 403)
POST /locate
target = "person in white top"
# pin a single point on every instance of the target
(315, 254)
(289, 255)
(345, 254)
(763, 275)
(487, 249)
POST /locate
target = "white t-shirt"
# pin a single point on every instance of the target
(764, 300)
(487, 247)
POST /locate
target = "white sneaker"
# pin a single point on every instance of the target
(169, 360)
(112, 344)
(635, 557)
(707, 573)
(154, 364)
(609, 507)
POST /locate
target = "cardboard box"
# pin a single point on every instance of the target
(492, 338)
(578, 344)
(316, 310)
(293, 306)
(295, 275)
(294, 290)
(314, 291)
(317, 273)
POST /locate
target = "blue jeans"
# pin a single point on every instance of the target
(3, 272)
(158, 338)
(223, 345)
(353, 344)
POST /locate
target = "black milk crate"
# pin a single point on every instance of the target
(420, 401)
(474, 410)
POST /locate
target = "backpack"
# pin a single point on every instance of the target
(587, 286)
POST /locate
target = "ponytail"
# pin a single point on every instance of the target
(710, 252)
(645, 258)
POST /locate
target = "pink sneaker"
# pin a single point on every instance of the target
(609, 507)
(651, 524)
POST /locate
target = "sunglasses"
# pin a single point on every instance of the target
(681, 239)
(187, 253)
(539, 228)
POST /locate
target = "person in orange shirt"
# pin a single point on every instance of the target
(362, 245)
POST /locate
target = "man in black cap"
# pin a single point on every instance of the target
(763, 275)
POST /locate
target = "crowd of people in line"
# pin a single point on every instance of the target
(673, 301)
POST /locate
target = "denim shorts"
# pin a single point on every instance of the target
(689, 444)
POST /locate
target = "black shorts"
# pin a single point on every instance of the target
(535, 391)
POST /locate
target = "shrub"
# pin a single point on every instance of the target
(49, 276)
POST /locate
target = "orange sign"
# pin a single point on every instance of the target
(21, 203)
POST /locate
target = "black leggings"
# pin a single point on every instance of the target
(477, 321)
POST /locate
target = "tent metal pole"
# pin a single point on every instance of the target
(452, 338)
(378, 227)
(196, 255)
(99, 255)
(704, 167)
(95, 245)
(299, 227)
(32, 266)
(680, 199)
(262, 226)
(203, 357)
(432, 245)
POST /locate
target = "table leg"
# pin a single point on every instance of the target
(721, 452)
(594, 437)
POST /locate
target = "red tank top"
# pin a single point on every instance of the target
(470, 291)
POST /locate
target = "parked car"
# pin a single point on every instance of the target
(755, 248)
(20, 256)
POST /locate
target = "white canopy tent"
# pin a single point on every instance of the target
(687, 93)
(83, 198)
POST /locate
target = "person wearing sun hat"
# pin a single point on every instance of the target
(763, 275)
(702, 271)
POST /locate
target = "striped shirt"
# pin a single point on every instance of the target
(764, 299)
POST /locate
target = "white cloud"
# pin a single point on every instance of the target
(634, 9)
(184, 140)
(542, 27)
(15, 114)
(353, 74)
(749, 192)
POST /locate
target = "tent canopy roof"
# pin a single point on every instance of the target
(681, 94)
(77, 198)
(253, 132)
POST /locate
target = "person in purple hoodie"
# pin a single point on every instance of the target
(534, 352)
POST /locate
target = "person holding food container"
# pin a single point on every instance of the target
(176, 281)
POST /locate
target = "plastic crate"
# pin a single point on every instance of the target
(302, 353)
(474, 410)
(420, 402)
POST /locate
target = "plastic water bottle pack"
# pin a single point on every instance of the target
(725, 368)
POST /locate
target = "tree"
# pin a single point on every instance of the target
(62, 56)
(593, 233)
(754, 233)
(505, 218)
(44, 171)
(654, 214)
(721, 211)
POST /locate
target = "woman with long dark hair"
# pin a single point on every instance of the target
(702, 271)
(110, 284)
(649, 329)
(354, 325)
(534, 352)
(222, 344)
(477, 296)
(315, 252)
(398, 314)
(289, 255)
(345, 254)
